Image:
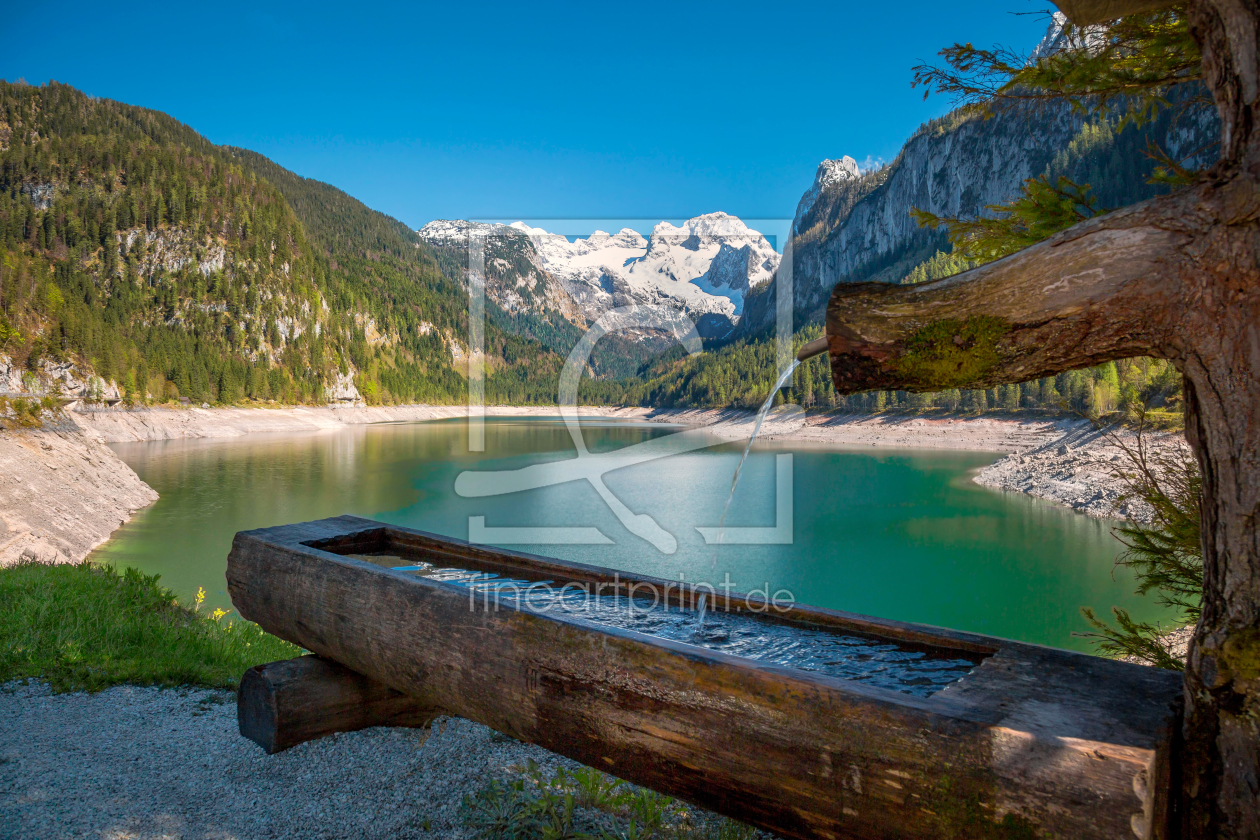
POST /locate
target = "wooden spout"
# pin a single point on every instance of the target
(814, 348)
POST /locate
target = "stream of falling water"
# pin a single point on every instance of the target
(761, 416)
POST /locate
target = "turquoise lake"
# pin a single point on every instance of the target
(901, 534)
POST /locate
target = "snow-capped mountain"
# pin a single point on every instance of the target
(516, 278)
(703, 267)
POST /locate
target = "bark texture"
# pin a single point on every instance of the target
(1177, 277)
(283, 704)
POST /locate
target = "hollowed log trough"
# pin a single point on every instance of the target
(1034, 741)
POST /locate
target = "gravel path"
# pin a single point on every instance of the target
(145, 763)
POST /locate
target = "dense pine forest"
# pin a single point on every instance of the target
(133, 246)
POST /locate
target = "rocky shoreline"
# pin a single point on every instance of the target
(118, 425)
(63, 491)
(1083, 469)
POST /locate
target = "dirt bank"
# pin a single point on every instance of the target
(982, 434)
(62, 493)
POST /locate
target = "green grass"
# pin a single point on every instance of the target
(586, 804)
(85, 627)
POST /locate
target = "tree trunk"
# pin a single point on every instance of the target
(1179, 278)
(1221, 363)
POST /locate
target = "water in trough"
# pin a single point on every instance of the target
(867, 660)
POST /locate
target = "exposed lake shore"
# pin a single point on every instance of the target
(63, 491)
(986, 434)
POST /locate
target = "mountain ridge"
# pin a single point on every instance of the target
(167, 267)
(852, 229)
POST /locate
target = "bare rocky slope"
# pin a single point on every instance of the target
(122, 425)
(62, 493)
(1084, 469)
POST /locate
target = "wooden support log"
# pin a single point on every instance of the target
(283, 704)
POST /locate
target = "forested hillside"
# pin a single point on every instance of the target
(142, 252)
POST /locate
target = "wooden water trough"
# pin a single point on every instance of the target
(1032, 741)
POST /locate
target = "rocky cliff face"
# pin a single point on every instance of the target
(852, 227)
(951, 168)
(830, 174)
(56, 379)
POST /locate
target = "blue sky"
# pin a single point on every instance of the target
(504, 111)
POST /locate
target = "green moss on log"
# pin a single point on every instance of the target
(1241, 654)
(951, 353)
(968, 815)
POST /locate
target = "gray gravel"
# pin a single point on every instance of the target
(144, 763)
(1082, 470)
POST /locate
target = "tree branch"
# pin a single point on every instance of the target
(1104, 289)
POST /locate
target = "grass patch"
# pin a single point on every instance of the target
(586, 804)
(84, 627)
